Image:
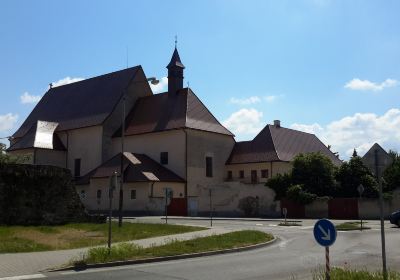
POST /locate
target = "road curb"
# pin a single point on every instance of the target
(229, 219)
(168, 258)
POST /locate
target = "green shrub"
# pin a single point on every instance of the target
(297, 194)
(280, 184)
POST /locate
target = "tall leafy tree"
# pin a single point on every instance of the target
(315, 172)
(353, 173)
(391, 175)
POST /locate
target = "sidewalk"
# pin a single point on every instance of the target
(29, 263)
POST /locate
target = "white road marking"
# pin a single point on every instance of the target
(259, 225)
(22, 277)
(272, 225)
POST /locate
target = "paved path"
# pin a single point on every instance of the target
(30, 263)
(294, 256)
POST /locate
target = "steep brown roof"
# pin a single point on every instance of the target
(85, 103)
(275, 143)
(28, 141)
(164, 111)
(137, 168)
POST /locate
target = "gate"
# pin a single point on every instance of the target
(294, 210)
(343, 208)
(177, 207)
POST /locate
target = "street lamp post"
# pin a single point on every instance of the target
(360, 190)
(153, 81)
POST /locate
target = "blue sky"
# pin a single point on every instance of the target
(327, 67)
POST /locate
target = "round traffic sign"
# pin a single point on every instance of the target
(325, 232)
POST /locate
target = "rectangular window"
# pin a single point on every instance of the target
(77, 167)
(264, 173)
(98, 194)
(254, 176)
(229, 175)
(241, 174)
(164, 157)
(209, 167)
(133, 194)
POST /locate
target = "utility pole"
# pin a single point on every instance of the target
(113, 184)
(378, 176)
(121, 188)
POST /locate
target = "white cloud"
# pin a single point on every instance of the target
(66, 80)
(7, 121)
(26, 98)
(244, 121)
(357, 84)
(253, 99)
(245, 101)
(270, 98)
(161, 86)
(359, 131)
(309, 128)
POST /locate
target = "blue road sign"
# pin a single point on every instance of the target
(324, 232)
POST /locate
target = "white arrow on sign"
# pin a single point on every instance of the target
(327, 235)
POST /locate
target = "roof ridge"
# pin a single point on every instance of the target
(299, 131)
(201, 102)
(99, 76)
(273, 142)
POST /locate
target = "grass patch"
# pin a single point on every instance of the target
(353, 274)
(289, 224)
(128, 251)
(351, 226)
(15, 239)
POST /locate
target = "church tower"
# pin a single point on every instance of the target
(175, 73)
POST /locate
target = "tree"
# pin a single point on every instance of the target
(391, 175)
(353, 173)
(7, 158)
(315, 172)
(280, 184)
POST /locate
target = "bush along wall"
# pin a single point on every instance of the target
(38, 195)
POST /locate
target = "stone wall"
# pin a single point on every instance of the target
(227, 196)
(37, 194)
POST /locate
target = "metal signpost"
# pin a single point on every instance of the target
(360, 190)
(211, 212)
(168, 197)
(325, 235)
(113, 185)
(377, 159)
(284, 211)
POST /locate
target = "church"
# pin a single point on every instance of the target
(115, 123)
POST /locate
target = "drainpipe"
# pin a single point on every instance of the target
(66, 156)
(271, 170)
(186, 170)
(152, 189)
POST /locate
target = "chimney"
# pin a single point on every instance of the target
(277, 123)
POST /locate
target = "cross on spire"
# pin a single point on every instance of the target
(176, 41)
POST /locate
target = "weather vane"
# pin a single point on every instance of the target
(176, 40)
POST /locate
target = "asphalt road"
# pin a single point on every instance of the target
(294, 256)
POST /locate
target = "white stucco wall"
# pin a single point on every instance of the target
(86, 144)
(276, 167)
(143, 202)
(50, 157)
(152, 144)
(226, 196)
